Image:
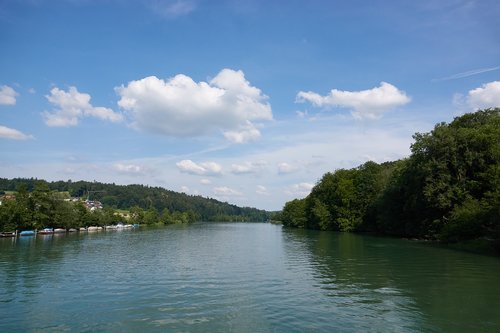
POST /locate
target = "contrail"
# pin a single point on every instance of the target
(468, 73)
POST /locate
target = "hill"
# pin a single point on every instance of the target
(45, 206)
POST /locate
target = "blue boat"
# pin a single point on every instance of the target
(27, 233)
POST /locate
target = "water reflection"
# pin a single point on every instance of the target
(408, 284)
(242, 278)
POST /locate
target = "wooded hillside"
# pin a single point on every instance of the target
(448, 189)
(36, 203)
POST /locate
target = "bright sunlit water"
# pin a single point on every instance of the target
(222, 277)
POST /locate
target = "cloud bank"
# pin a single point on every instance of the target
(365, 104)
(71, 106)
(181, 107)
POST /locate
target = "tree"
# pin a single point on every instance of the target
(294, 214)
(151, 216)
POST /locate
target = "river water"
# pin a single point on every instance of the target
(237, 277)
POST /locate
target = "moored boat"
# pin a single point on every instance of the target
(59, 230)
(46, 231)
(27, 233)
(8, 234)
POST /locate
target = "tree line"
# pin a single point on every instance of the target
(448, 189)
(37, 204)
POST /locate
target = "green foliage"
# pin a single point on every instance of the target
(151, 216)
(294, 214)
(41, 204)
(448, 188)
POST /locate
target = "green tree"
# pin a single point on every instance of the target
(151, 216)
(294, 214)
(136, 214)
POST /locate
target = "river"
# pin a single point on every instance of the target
(242, 277)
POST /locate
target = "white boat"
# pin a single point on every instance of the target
(46, 231)
(59, 230)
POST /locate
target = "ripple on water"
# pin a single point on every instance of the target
(242, 278)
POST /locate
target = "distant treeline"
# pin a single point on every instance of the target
(448, 189)
(39, 203)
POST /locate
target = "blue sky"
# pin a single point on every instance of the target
(249, 102)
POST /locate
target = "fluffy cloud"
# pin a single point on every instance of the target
(248, 167)
(365, 104)
(486, 96)
(7, 95)
(182, 107)
(13, 134)
(299, 190)
(205, 181)
(72, 105)
(206, 168)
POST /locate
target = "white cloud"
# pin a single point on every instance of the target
(205, 168)
(243, 134)
(72, 105)
(181, 107)
(13, 134)
(205, 181)
(486, 96)
(370, 104)
(7, 95)
(225, 191)
(284, 168)
(262, 190)
(299, 190)
(129, 168)
(248, 167)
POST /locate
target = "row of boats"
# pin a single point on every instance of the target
(51, 231)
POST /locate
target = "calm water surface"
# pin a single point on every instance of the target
(222, 277)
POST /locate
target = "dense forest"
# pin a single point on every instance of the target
(36, 204)
(448, 189)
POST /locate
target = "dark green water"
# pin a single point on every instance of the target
(242, 278)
